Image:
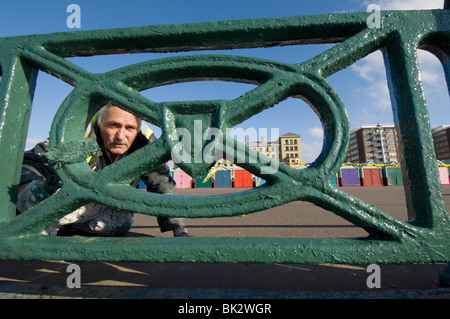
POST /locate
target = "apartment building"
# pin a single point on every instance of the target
(291, 149)
(441, 138)
(286, 149)
(269, 148)
(374, 143)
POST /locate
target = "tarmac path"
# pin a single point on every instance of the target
(47, 279)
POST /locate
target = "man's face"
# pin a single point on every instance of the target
(118, 130)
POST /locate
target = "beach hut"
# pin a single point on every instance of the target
(203, 182)
(392, 175)
(443, 174)
(447, 162)
(182, 179)
(242, 178)
(349, 176)
(370, 175)
(222, 178)
(334, 181)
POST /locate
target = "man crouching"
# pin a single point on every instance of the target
(118, 134)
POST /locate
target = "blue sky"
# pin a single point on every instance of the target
(361, 86)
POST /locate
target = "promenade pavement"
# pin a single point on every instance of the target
(47, 279)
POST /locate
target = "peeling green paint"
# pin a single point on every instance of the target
(390, 240)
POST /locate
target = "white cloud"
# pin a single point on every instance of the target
(375, 89)
(375, 92)
(407, 4)
(431, 71)
(316, 132)
(371, 67)
(370, 102)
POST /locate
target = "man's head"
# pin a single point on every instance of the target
(118, 128)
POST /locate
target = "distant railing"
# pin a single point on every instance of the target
(400, 33)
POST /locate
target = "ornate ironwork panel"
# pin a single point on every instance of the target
(401, 33)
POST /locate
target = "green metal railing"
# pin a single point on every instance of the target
(425, 238)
